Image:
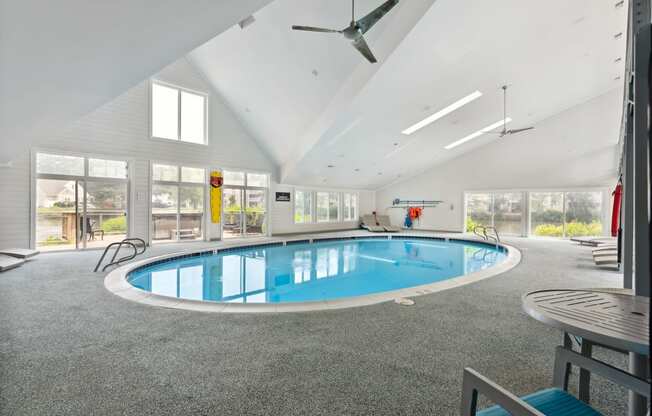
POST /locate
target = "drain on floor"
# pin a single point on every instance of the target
(404, 301)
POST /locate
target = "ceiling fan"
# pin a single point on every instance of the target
(356, 29)
(504, 132)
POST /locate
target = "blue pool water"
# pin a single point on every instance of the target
(317, 271)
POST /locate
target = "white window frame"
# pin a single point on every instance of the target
(339, 207)
(179, 90)
(83, 178)
(311, 196)
(244, 188)
(356, 210)
(178, 183)
(526, 225)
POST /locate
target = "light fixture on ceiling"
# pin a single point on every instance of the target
(618, 35)
(478, 133)
(619, 4)
(618, 60)
(357, 169)
(441, 113)
(331, 166)
(246, 21)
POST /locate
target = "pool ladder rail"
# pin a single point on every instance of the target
(481, 231)
(131, 242)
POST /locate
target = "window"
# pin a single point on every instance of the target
(303, 207)
(350, 206)
(177, 202)
(244, 204)
(566, 214)
(328, 206)
(501, 210)
(178, 114)
(80, 202)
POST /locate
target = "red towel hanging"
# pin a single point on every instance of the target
(615, 213)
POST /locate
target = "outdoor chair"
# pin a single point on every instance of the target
(555, 401)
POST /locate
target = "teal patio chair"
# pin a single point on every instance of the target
(555, 401)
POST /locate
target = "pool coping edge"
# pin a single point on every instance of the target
(116, 280)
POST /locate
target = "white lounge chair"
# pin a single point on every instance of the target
(369, 223)
(593, 241)
(8, 262)
(386, 223)
(21, 253)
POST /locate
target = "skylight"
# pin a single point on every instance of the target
(478, 133)
(441, 113)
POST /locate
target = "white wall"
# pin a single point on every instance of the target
(283, 214)
(574, 149)
(121, 129)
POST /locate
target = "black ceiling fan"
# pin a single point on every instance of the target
(504, 132)
(357, 28)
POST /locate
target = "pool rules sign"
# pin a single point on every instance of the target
(282, 197)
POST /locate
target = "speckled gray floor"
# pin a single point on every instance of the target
(69, 347)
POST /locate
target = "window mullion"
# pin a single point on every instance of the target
(179, 114)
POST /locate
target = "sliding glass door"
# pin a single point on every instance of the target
(244, 201)
(80, 202)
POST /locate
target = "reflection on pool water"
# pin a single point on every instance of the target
(312, 272)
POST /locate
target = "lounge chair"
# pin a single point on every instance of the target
(370, 223)
(553, 401)
(9, 262)
(592, 241)
(386, 223)
(610, 259)
(21, 253)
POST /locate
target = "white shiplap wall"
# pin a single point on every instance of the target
(121, 129)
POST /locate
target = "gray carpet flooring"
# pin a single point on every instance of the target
(69, 347)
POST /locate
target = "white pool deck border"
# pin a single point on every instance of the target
(116, 280)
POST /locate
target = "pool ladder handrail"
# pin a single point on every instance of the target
(484, 228)
(126, 241)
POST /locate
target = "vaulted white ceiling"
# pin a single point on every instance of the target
(62, 59)
(312, 101)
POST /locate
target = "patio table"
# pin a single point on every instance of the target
(607, 318)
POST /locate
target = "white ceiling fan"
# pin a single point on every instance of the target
(504, 132)
(356, 29)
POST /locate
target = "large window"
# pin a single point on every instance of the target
(80, 202)
(350, 206)
(177, 202)
(566, 214)
(501, 210)
(245, 204)
(328, 206)
(178, 114)
(551, 213)
(303, 212)
(325, 206)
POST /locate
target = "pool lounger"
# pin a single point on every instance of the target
(601, 249)
(8, 262)
(611, 260)
(592, 241)
(386, 223)
(369, 223)
(21, 253)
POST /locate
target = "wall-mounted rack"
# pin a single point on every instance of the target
(410, 203)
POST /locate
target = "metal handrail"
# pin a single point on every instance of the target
(481, 231)
(496, 238)
(126, 241)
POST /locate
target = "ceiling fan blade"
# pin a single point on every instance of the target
(363, 48)
(315, 29)
(515, 131)
(372, 18)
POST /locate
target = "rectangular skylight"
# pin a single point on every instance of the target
(478, 133)
(441, 113)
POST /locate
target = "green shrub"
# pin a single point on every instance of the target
(115, 225)
(578, 229)
(470, 224)
(549, 230)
